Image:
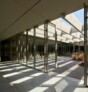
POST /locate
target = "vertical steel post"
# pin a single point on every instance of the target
(17, 47)
(23, 48)
(26, 47)
(20, 48)
(85, 45)
(55, 48)
(28, 52)
(46, 46)
(34, 46)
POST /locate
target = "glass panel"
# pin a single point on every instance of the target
(67, 49)
(17, 47)
(51, 46)
(30, 48)
(13, 49)
(19, 50)
(23, 48)
(40, 48)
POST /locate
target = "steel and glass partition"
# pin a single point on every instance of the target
(37, 47)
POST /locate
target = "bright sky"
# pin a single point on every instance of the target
(79, 14)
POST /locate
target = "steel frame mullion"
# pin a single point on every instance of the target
(26, 47)
(17, 48)
(55, 48)
(34, 46)
(46, 47)
(85, 45)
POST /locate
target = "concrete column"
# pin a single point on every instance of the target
(46, 47)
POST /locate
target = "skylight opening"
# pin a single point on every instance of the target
(65, 22)
(80, 15)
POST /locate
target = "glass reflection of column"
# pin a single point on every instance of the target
(85, 44)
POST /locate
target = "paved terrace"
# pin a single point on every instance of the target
(17, 78)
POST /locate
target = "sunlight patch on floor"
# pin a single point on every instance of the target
(16, 73)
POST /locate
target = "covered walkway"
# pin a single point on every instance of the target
(38, 49)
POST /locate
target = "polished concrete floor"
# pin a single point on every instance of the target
(17, 78)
